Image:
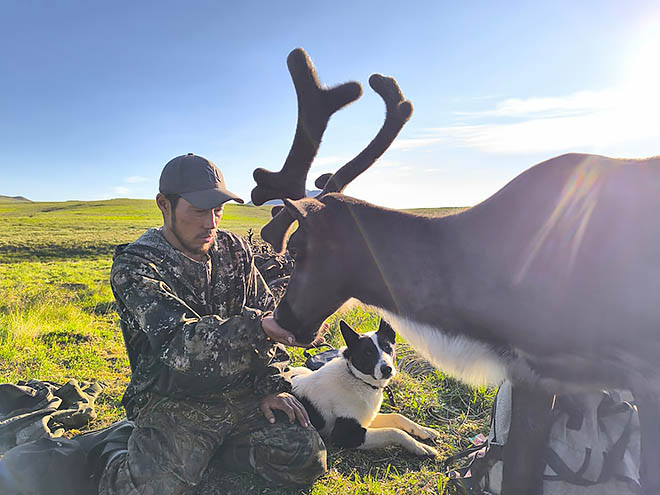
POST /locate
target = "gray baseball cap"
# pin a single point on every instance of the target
(197, 180)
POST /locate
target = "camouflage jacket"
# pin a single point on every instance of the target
(193, 329)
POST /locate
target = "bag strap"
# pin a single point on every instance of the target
(618, 450)
(461, 455)
(612, 457)
(564, 473)
(481, 459)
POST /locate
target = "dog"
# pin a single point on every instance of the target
(343, 397)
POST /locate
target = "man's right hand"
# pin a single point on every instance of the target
(288, 404)
(275, 332)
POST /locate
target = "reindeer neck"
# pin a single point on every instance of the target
(403, 249)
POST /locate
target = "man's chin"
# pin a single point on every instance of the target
(200, 249)
(206, 247)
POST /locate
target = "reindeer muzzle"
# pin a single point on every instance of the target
(305, 334)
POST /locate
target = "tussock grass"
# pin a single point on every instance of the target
(57, 322)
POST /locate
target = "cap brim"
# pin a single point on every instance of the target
(210, 198)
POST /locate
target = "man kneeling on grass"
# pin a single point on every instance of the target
(206, 374)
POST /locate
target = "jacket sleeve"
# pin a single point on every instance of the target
(269, 379)
(199, 354)
(258, 294)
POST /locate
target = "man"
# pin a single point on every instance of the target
(206, 375)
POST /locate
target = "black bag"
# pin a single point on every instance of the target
(315, 361)
(62, 466)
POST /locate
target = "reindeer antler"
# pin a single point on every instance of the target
(316, 105)
(398, 112)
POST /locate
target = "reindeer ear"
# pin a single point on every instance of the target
(275, 210)
(280, 226)
(386, 331)
(350, 335)
(300, 208)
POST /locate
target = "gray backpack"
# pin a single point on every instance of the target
(593, 448)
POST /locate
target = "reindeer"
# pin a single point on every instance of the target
(552, 283)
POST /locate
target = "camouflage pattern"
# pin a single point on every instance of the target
(201, 365)
(193, 328)
(174, 442)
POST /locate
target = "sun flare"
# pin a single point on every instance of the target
(642, 81)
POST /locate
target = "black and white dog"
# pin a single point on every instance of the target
(343, 397)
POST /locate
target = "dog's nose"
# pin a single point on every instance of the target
(385, 370)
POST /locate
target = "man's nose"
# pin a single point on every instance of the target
(211, 221)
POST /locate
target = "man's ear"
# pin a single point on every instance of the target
(163, 204)
(350, 335)
(386, 331)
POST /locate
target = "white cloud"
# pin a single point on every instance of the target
(585, 120)
(575, 104)
(121, 190)
(412, 143)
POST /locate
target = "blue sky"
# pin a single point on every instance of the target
(97, 96)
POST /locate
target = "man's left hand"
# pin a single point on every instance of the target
(288, 404)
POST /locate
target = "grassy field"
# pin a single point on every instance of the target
(57, 322)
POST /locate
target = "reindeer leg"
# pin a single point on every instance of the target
(528, 434)
(649, 420)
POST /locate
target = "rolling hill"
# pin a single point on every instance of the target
(13, 199)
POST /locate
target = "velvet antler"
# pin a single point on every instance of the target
(398, 112)
(316, 105)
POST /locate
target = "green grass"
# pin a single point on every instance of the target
(57, 322)
(75, 229)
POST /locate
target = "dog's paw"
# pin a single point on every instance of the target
(424, 433)
(421, 449)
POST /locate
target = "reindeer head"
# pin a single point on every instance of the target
(317, 288)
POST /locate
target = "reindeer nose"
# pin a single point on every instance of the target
(386, 371)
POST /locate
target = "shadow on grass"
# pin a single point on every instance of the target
(54, 252)
(350, 466)
(63, 338)
(102, 309)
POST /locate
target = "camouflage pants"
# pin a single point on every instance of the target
(174, 441)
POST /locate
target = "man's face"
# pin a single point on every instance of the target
(191, 230)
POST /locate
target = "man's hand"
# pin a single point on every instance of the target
(288, 404)
(275, 332)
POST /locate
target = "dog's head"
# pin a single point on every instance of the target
(370, 355)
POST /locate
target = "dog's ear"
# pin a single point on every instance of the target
(350, 335)
(386, 331)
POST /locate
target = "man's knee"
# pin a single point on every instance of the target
(155, 463)
(289, 455)
(122, 477)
